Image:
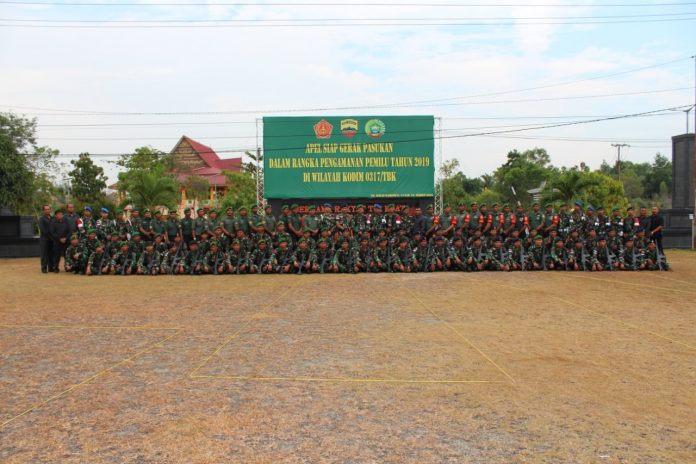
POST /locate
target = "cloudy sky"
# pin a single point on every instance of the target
(146, 72)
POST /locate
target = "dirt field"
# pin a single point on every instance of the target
(480, 368)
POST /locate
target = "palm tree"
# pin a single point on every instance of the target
(149, 189)
(568, 187)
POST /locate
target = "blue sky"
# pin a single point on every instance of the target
(247, 72)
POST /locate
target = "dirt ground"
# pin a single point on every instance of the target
(427, 368)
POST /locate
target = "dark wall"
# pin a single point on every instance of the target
(679, 218)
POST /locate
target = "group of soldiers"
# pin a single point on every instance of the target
(343, 239)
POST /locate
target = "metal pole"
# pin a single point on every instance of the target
(618, 159)
(693, 224)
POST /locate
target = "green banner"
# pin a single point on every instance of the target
(348, 157)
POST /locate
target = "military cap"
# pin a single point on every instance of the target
(602, 237)
(498, 238)
(88, 208)
(214, 243)
(119, 211)
(186, 210)
(494, 204)
(383, 239)
(212, 210)
(135, 234)
(458, 238)
(105, 210)
(218, 227)
(91, 231)
(403, 239)
(629, 239)
(285, 207)
(327, 205)
(630, 208)
(377, 206)
(193, 242)
(149, 244)
(577, 203)
(263, 240)
(538, 237)
(477, 238)
(474, 204)
(364, 238)
(158, 235)
(157, 212)
(549, 205)
(99, 245)
(360, 205)
(615, 209)
(321, 240)
(199, 210)
(294, 205)
(147, 210)
(74, 237)
(536, 203)
(282, 240)
(134, 210)
(600, 207)
(255, 205)
(267, 206)
(302, 240)
(429, 206)
(242, 208)
(439, 238)
(506, 205)
(590, 208)
(391, 205)
(172, 210)
(236, 242)
(122, 243)
(482, 205)
(312, 208)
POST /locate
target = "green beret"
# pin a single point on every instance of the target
(538, 237)
(549, 205)
(383, 239)
(294, 205)
(302, 240)
(474, 204)
(305, 230)
(261, 241)
(312, 208)
(260, 224)
(135, 234)
(147, 211)
(615, 209)
(91, 231)
(199, 210)
(285, 207)
(158, 211)
(482, 205)
(404, 239)
(74, 237)
(193, 242)
(440, 238)
(211, 211)
(236, 242)
(254, 206)
(171, 211)
(218, 227)
(282, 240)
(118, 211)
(495, 204)
(229, 208)
(135, 210)
(429, 207)
(186, 210)
(391, 205)
(242, 208)
(321, 240)
(536, 203)
(158, 236)
(122, 243)
(214, 243)
(506, 205)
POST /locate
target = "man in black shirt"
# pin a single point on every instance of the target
(419, 224)
(45, 243)
(60, 231)
(71, 217)
(655, 229)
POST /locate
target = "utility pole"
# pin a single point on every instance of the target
(618, 158)
(687, 118)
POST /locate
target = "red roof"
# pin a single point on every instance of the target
(215, 165)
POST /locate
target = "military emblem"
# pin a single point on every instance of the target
(349, 127)
(375, 128)
(323, 129)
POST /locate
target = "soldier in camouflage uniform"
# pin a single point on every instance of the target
(536, 255)
(283, 258)
(186, 227)
(381, 256)
(517, 255)
(98, 262)
(402, 259)
(238, 258)
(121, 226)
(602, 257)
(322, 256)
(653, 260)
(146, 231)
(477, 259)
(193, 261)
(75, 256)
(459, 254)
(498, 257)
(216, 260)
(123, 261)
(631, 259)
(149, 261)
(200, 224)
(302, 257)
(261, 259)
(558, 257)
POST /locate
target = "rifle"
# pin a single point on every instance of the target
(264, 260)
(323, 264)
(128, 262)
(661, 260)
(239, 261)
(177, 259)
(583, 258)
(195, 262)
(284, 262)
(151, 263)
(609, 259)
(351, 262)
(428, 254)
(302, 263)
(217, 261)
(101, 264)
(523, 264)
(634, 260)
(389, 256)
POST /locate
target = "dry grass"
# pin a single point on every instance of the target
(525, 367)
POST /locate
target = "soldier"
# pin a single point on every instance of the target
(631, 223)
(104, 225)
(517, 256)
(99, 262)
(193, 261)
(213, 221)
(173, 227)
(363, 254)
(602, 257)
(603, 220)
(536, 256)
(160, 246)
(302, 258)
(654, 260)
(294, 223)
(498, 257)
(200, 224)
(283, 258)
(448, 221)
(521, 222)
(321, 259)
(245, 242)
(536, 220)
(221, 238)
(171, 261)
(75, 256)
(204, 243)
(254, 218)
(159, 227)
(111, 247)
(122, 226)
(558, 257)
(91, 242)
(564, 223)
(136, 245)
(381, 256)
(216, 260)
(441, 255)
(238, 258)
(282, 234)
(261, 259)
(343, 260)
(135, 222)
(269, 220)
(477, 259)
(186, 227)
(577, 218)
(404, 221)
(123, 261)
(460, 254)
(359, 223)
(403, 257)
(86, 221)
(582, 259)
(259, 233)
(149, 261)
(326, 218)
(146, 231)
(550, 221)
(631, 259)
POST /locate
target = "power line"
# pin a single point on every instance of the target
(345, 108)
(291, 20)
(369, 4)
(335, 24)
(459, 136)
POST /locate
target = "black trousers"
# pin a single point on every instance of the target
(58, 253)
(658, 241)
(46, 248)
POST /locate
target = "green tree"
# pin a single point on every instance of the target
(87, 180)
(15, 176)
(489, 197)
(251, 166)
(197, 188)
(569, 187)
(523, 171)
(150, 189)
(604, 191)
(660, 171)
(241, 190)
